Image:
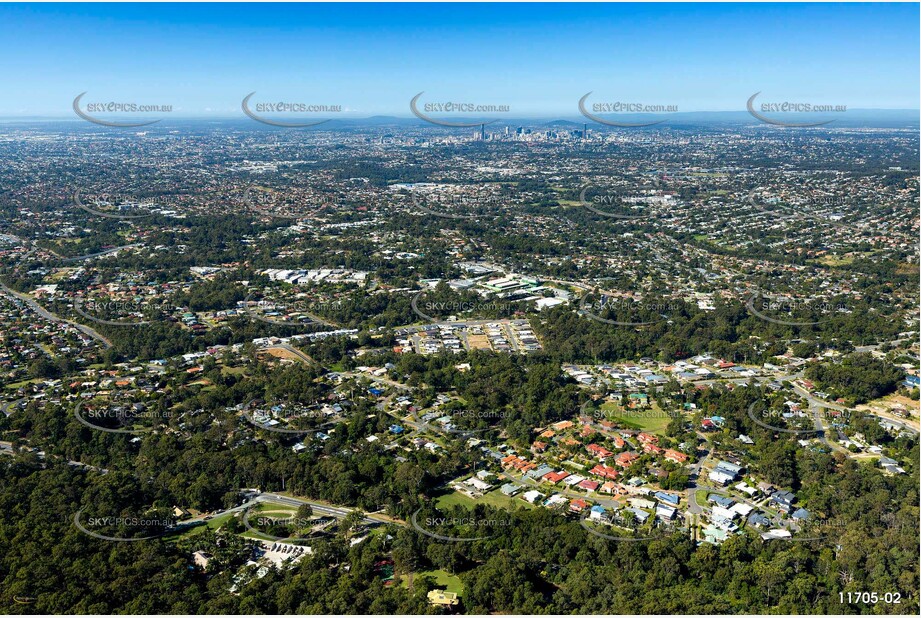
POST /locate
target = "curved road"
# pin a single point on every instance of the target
(337, 511)
(86, 330)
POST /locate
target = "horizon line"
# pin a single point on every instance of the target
(546, 116)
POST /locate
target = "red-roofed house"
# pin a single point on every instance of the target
(589, 485)
(513, 461)
(578, 505)
(599, 451)
(625, 459)
(676, 456)
(555, 477)
(651, 448)
(604, 471)
(646, 438)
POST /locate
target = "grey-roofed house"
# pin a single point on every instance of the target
(783, 499)
(641, 515)
(722, 501)
(665, 512)
(539, 471)
(729, 468)
(668, 498)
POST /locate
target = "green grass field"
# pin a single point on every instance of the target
(701, 498)
(650, 420)
(451, 583)
(266, 509)
(14, 385)
(494, 498)
(273, 508)
(211, 524)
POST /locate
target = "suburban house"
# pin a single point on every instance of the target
(784, 500)
(665, 512)
(721, 478)
(668, 498)
(599, 451)
(675, 456)
(604, 471)
(555, 477)
(532, 496)
(442, 597)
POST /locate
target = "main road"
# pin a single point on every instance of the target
(28, 300)
(306, 358)
(323, 509)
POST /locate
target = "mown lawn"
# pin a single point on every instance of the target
(494, 498)
(701, 497)
(211, 524)
(451, 583)
(650, 420)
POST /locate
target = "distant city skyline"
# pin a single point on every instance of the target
(538, 60)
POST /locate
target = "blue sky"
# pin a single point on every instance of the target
(537, 58)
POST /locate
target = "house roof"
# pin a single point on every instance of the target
(556, 477)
